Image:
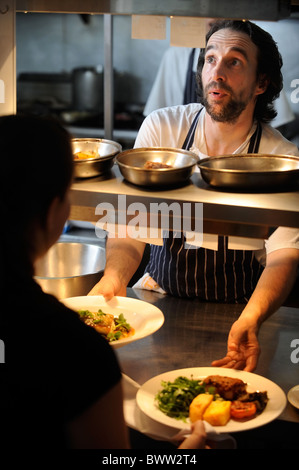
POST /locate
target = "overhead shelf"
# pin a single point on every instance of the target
(270, 10)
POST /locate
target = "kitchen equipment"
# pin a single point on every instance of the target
(70, 269)
(87, 89)
(251, 171)
(105, 150)
(132, 166)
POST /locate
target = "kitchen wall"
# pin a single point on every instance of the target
(58, 43)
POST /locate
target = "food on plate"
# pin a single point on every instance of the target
(111, 327)
(175, 397)
(215, 399)
(227, 387)
(260, 399)
(241, 410)
(199, 405)
(155, 165)
(87, 154)
(218, 413)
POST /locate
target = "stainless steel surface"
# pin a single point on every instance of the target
(70, 269)
(231, 213)
(132, 166)
(265, 10)
(251, 171)
(195, 333)
(108, 77)
(107, 151)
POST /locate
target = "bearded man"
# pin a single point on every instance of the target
(238, 77)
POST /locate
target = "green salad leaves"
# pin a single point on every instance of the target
(175, 397)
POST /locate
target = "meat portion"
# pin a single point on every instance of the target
(227, 387)
(102, 322)
(155, 165)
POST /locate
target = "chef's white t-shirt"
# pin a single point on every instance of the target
(168, 127)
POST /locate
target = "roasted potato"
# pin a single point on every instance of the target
(218, 413)
(198, 406)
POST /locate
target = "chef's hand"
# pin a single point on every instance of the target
(109, 286)
(197, 438)
(243, 348)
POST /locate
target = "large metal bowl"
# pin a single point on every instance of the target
(70, 269)
(132, 166)
(251, 171)
(106, 151)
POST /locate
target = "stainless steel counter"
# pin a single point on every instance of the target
(251, 215)
(195, 333)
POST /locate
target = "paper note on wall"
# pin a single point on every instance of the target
(7, 59)
(187, 32)
(148, 27)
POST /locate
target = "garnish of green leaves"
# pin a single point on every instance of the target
(96, 317)
(121, 324)
(175, 397)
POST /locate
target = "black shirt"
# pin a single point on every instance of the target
(55, 368)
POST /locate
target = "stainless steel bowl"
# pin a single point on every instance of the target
(251, 171)
(70, 269)
(132, 166)
(95, 166)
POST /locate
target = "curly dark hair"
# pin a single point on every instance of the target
(269, 65)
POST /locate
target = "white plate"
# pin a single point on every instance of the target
(144, 317)
(293, 396)
(277, 400)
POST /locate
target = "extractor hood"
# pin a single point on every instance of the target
(270, 10)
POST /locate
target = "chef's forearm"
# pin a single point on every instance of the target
(123, 256)
(274, 286)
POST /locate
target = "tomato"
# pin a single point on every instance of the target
(241, 410)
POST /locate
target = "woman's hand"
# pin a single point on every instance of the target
(197, 438)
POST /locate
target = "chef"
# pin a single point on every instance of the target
(175, 84)
(238, 78)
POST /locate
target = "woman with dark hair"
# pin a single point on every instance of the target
(60, 385)
(233, 78)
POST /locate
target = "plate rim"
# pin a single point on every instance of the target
(290, 399)
(235, 427)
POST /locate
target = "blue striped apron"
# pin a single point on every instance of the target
(223, 276)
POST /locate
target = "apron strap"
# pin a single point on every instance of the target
(190, 136)
(255, 140)
(254, 143)
(190, 85)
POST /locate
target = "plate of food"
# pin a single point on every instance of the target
(293, 396)
(230, 400)
(120, 320)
